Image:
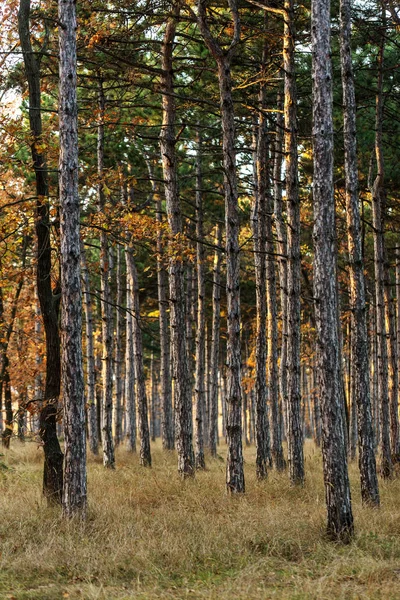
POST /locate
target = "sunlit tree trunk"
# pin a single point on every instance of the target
(215, 338)
(90, 361)
(130, 398)
(145, 455)
(106, 307)
(119, 358)
(337, 487)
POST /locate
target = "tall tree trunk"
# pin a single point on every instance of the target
(378, 218)
(8, 421)
(234, 468)
(258, 223)
(359, 336)
(49, 300)
(201, 318)
(145, 455)
(281, 232)
(337, 487)
(106, 308)
(119, 359)
(90, 361)
(294, 430)
(182, 396)
(130, 399)
(167, 427)
(215, 335)
(75, 492)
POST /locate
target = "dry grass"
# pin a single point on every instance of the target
(149, 535)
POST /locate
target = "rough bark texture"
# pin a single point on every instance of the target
(359, 331)
(182, 397)
(49, 300)
(378, 218)
(281, 233)
(258, 224)
(337, 488)
(215, 336)
(90, 360)
(106, 308)
(75, 492)
(294, 429)
(201, 319)
(234, 468)
(145, 455)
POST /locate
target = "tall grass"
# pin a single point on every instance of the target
(150, 535)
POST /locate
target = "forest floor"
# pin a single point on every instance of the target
(149, 535)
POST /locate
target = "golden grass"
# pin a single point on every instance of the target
(149, 535)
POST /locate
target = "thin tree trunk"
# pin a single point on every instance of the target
(294, 429)
(130, 399)
(49, 299)
(106, 308)
(75, 487)
(378, 218)
(8, 421)
(337, 487)
(359, 349)
(201, 317)
(182, 397)
(119, 359)
(145, 455)
(216, 323)
(234, 469)
(167, 429)
(90, 361)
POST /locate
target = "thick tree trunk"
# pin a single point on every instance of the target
(75, 492)
(49, 299)
(216, 323)
(201, 318)
(145, 455)
(359, 336)
(294, 430)
(337, 488)
(182, 397)
(106, 308)
(90, 361)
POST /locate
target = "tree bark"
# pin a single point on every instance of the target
(182, 397)
(337, 489)
(215, 339)
(359, 331)
(49, 299)
(90, 361)
(234, 468)
(119, 358)
(130, 398)
(75, 489)
(378, 218)
(145, 455)
(294, 429)
(106, 308)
